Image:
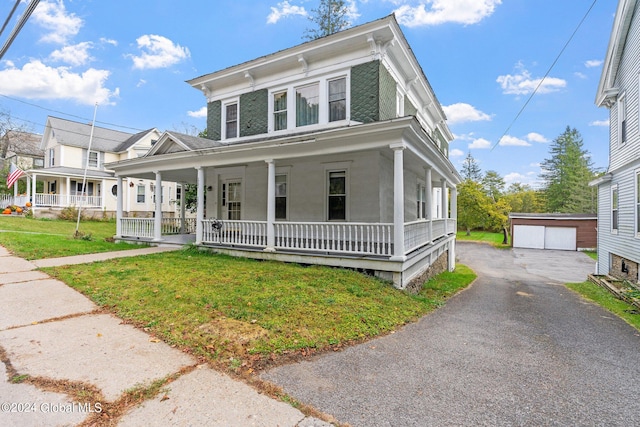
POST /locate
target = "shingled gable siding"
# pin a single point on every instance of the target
(254, 112)
(409, 108)
(214, 120)
(373, 93)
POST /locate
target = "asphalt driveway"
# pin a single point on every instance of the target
(516, 348)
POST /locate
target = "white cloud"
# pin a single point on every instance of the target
(158, 52)
(580, 75)
(456, 153)
(198, 113)
(523, 84)
(52, 16)
(593, 63)
(38, 81)
(512, 141)
(74, 55)
(536, 137)
(435, 12)
(600, 123)
(514, 177)
(105, 40)
(462, 113)
(480, 143)
(284, 9)
(141, 83)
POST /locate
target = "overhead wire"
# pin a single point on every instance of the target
(545, 76)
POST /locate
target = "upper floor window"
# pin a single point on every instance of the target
(231, 120)
(93, 159)
(622, 119)
(307, 105)
(280, 111)
(38, 163)
(52, 157)
(338, 99)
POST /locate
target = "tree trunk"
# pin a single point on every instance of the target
(505, 232)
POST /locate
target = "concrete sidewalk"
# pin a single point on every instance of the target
(50, 331)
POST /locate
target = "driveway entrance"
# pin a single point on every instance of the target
(516, 348)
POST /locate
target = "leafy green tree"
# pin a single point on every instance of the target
(498, 216)
(330, 17)
(473, 206)
(566, 175)
(523, 198)
(470, 169)
(493, 184)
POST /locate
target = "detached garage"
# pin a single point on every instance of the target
(567, 232)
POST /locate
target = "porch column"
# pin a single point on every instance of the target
(157, 223)
(454, 203)
(271, 205)
(15, 192)
(68, 201)
(200, 208)
(445, 208)
(398, 202)
(103, 198)
(119, 206)
(33, 192)
(28, 188)
(183, 208)
(429, 193)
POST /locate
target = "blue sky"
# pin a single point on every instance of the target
(483, 59)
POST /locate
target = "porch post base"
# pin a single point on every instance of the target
(269, 249)
(401, 258)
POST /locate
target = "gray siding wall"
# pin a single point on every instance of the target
(214, 120)
(254, 112)
(624, 160)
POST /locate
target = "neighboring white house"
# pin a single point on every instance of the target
(619, 188)
(66, 151)
(332, 152)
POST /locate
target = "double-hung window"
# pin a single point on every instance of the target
(337, 203)
(421, 201)
(281, 197)
(52, 157)
(337, 99)
(622, 119)
(93, 159)
(231, 120)
(280, 111)
(614, 209)
(307, 105)
(141, 194)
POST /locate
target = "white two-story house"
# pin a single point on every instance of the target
(619, 188)
(332, 152)
(75, 153)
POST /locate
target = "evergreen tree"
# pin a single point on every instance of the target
(470, 169)
(566, 175)
(493, 185)
(330, 17)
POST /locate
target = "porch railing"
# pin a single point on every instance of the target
(6, 200)
(243, 233)
(353, 238)
(138, 227)
(63, 200)
(371, 239)
(174, 226)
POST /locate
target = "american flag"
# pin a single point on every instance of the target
(14, 174)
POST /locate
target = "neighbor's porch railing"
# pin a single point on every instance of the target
(63, 200)
(6, 200)
(174, 226)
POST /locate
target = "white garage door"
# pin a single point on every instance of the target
(528, 236)
(562, 238)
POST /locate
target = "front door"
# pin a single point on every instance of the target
(232, 200)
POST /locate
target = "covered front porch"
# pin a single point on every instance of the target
(388, 208)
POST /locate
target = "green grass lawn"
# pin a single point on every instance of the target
(495, 239)
(31, 238)
(604, 298)
(244, 314)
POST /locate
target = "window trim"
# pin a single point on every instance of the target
(144, 193)
(97, 165)
(623, 121)
(226, 104)
(615, 211)
(337, 167)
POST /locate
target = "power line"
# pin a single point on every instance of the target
(23, 20)
(545, 76)
(13, 10)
